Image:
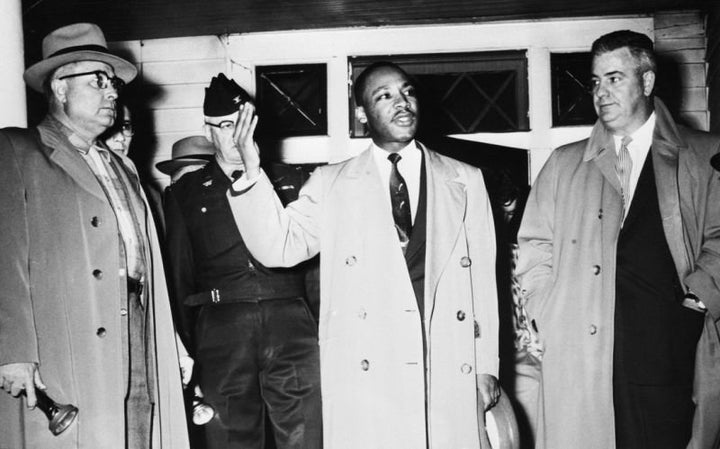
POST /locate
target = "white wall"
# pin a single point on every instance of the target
(184, 66)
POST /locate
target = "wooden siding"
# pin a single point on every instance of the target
(167, 97)
(682, 81)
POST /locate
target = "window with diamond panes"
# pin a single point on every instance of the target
(571, 94)
(461, 93)
(291, 100)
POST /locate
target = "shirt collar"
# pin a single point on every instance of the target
(407, 152)
(65, 129)
(642, 137)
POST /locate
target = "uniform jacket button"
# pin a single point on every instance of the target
(365, 365)
(98, 274)
(461, 315)
(101, 332)
(465, 262)
(95, 221)
(203, 209)
(123, 311)
(593, 329)
(596, 269)
(350, 261)
(465, 368)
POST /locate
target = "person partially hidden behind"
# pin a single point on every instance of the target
(620, 266)
(408, 308)
(249, 327)
(84, 309)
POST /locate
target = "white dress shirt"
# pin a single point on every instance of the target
(409, 167)
(638, 148)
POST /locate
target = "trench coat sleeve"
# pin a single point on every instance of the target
(704, 280)
(181, 271)
(18, 339)
(535, 237)
(277, 236)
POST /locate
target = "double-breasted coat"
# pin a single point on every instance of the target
(568, 240)
(61, 299)
(371, 342)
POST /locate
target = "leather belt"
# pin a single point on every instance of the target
(229, 296)
(135, 286)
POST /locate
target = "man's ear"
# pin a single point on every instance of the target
(208, 132)
(59, 90)
(648, 79)
(360, 114)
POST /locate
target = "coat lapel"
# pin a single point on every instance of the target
(62, 153)
(666, 148)
(446, 203)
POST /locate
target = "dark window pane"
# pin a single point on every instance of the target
(462, 93)
(291, 100)
(572, 99)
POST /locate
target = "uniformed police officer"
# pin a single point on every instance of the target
(249, 327)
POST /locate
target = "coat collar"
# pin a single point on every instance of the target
(59, 149)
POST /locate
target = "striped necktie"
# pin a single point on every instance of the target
(624, 168)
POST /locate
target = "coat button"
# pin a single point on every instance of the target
(123, 311)
(203, 209)
(365, 365)
(98, 274)
(101, 332)
(596, 269)
(593, 329)
(460, 315)
(95, 221)
(465, 368)
(350, 261)
(465, 262)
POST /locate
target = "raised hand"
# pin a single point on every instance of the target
(243, 137)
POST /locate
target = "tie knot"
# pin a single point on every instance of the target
(625, 141)
(394, 158)
(236, 174)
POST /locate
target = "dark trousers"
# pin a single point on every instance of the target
(258, 356)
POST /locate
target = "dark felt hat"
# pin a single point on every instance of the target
(715, 162)
(223, 97)
(187, 151)
(73, 43)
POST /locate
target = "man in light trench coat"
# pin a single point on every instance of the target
(84, 311)
(408, 327)
(620, 263)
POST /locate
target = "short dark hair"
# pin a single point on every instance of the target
(360, 82)
(639, 45)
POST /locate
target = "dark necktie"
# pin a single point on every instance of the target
(400, 200)
(236, 174)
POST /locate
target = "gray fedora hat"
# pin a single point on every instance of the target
(72, 43)
(191, 150)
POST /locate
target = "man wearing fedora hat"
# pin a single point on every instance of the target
(188, 154)
(83, 310)
(248, 327)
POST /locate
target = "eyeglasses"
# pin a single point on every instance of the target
(127, 129)
(102, 79)
(225, 125)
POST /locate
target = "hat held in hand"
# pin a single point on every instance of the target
(73, 43)
(223, 97)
